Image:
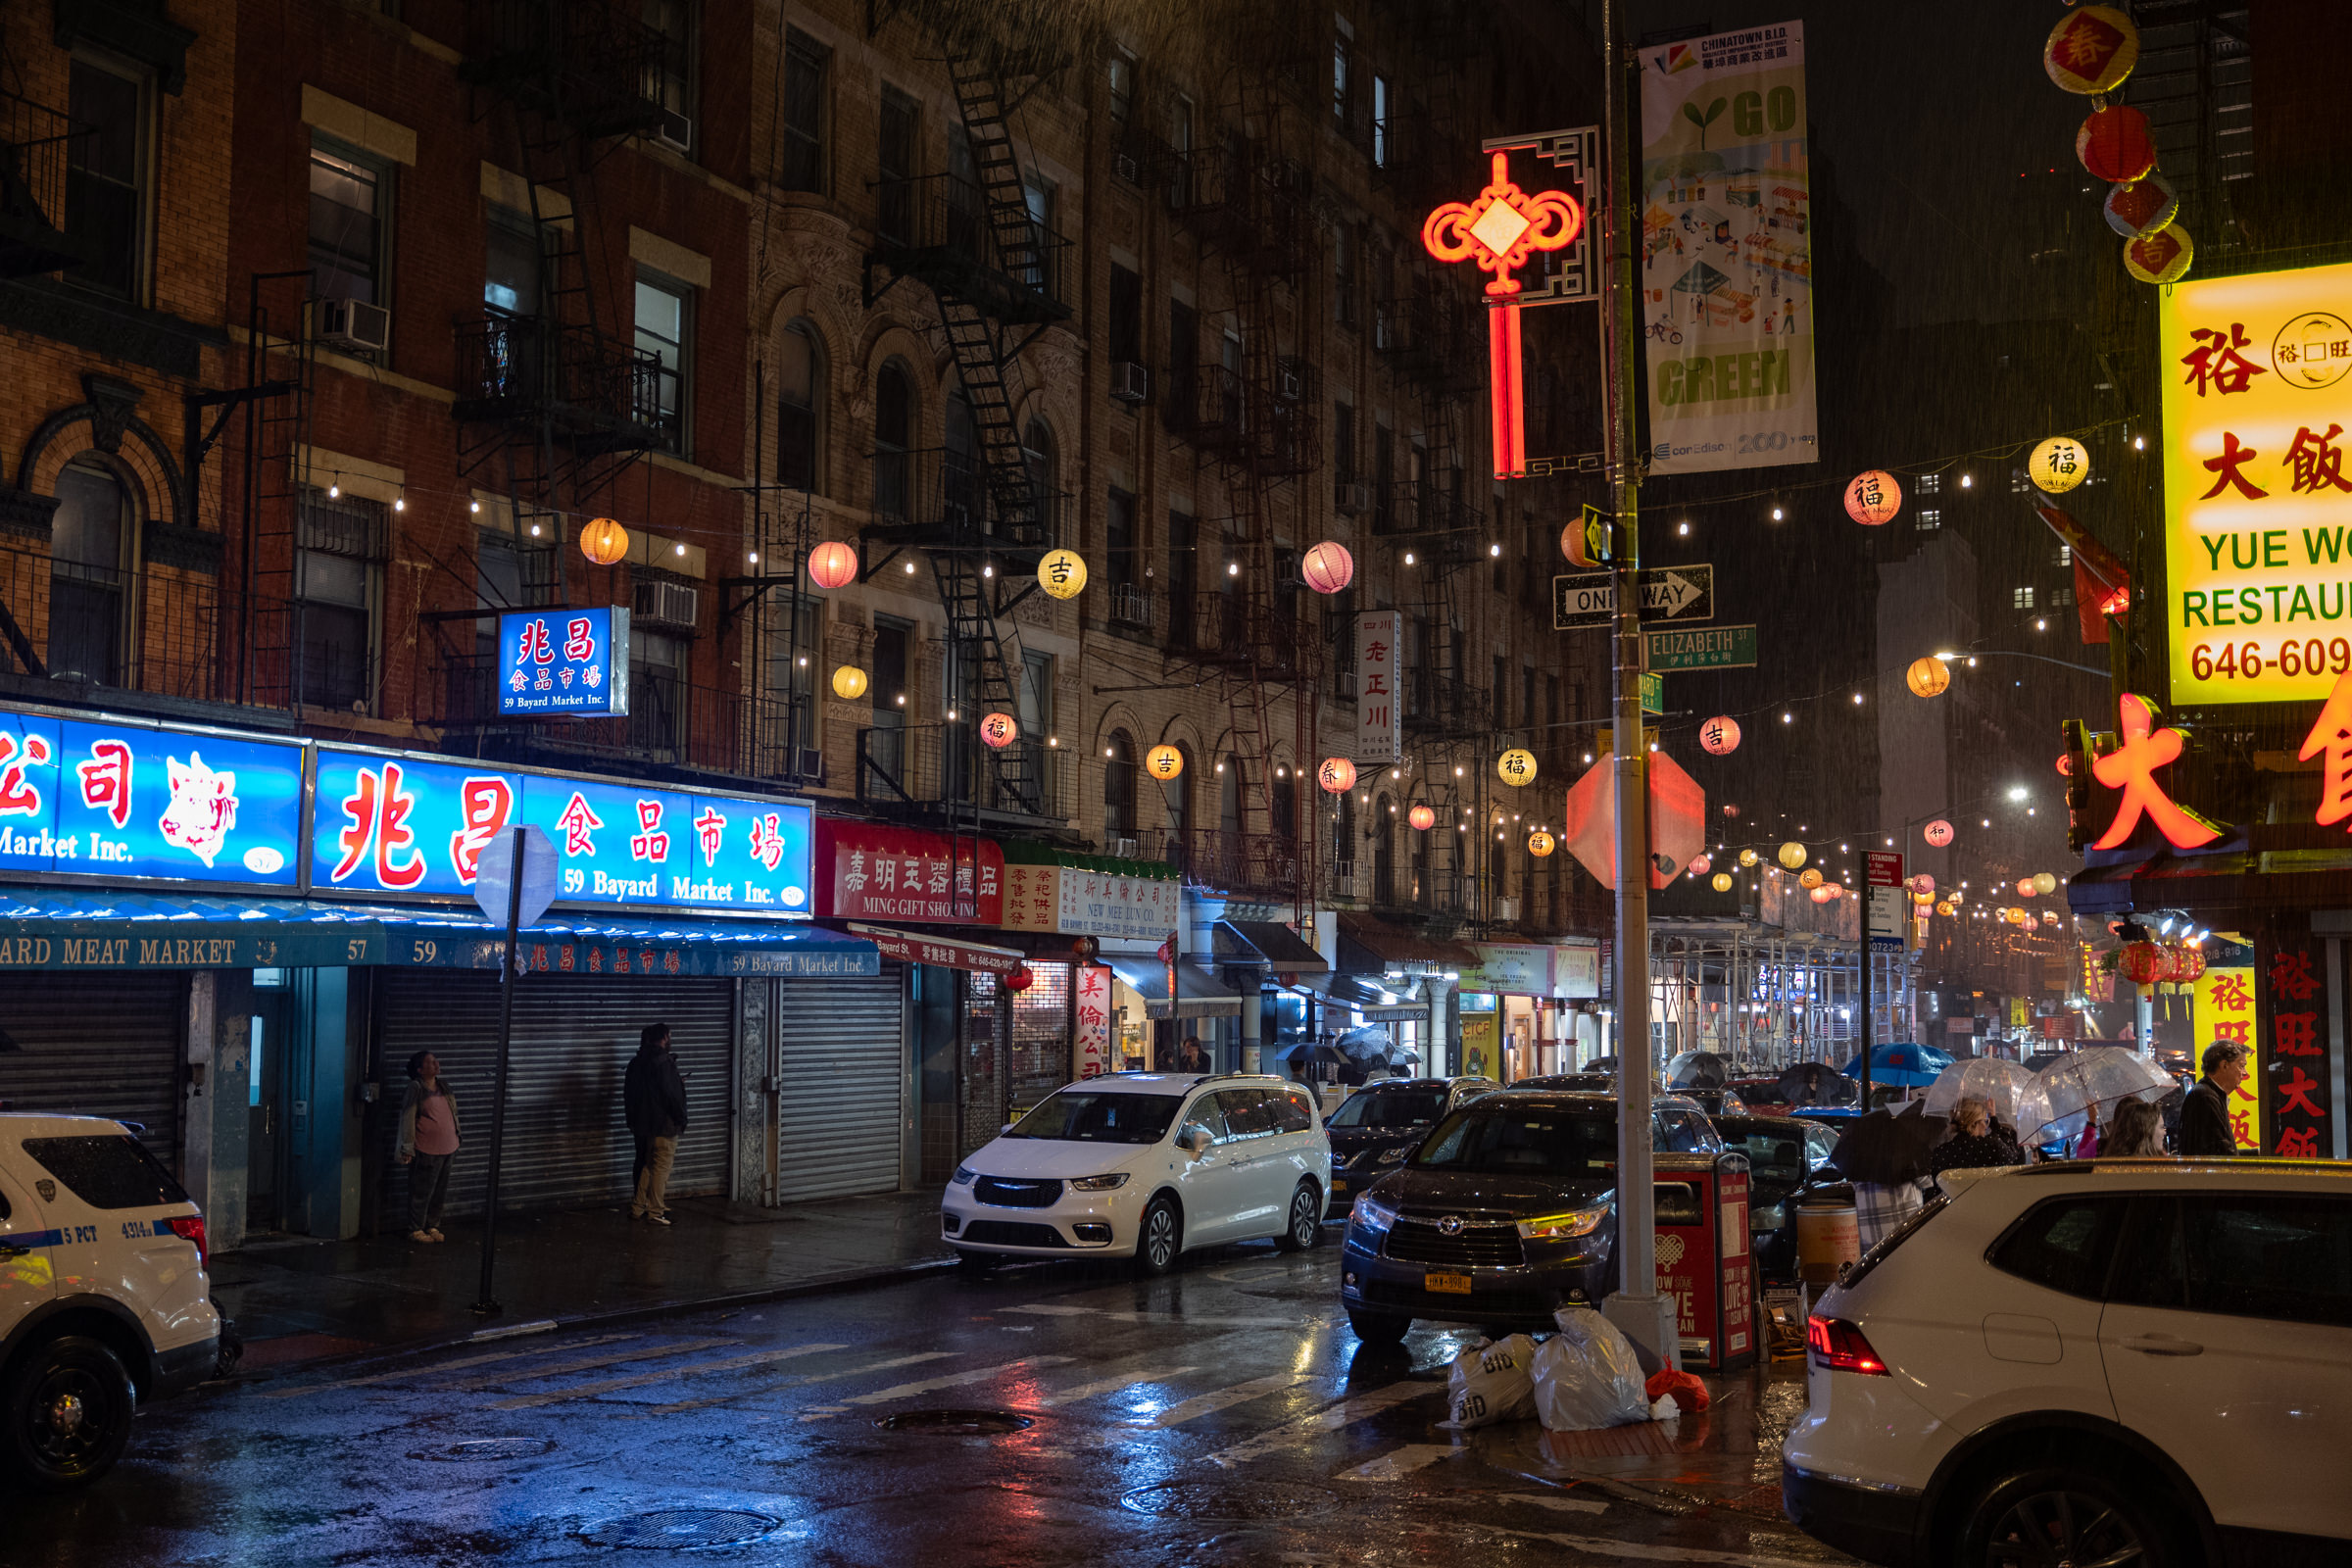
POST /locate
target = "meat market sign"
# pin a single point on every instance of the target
(2258, 508)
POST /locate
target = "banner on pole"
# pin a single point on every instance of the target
(1727, 269)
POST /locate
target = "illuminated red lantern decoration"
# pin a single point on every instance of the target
(2025, 888)
(1937, 833)
(1720, 737)
(1823, 895)
(1923, 883)
(1422, 817)
(2142, 206)
(2143, 964)
(1730, 811)
(2161, 256)
(2029, 924)
(1019, 980)
(1000, 729)
(1701, 865)
(1872, 498)
(1336, 776)
(1327, 567)
(2114, 144)
(832, 565)
(2189, 963)
(2091, 50)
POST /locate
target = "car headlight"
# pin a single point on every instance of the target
(1562, 1227)
(1098, 1184)
(1373, 1216)
(964, 1176)
(1390, 1157)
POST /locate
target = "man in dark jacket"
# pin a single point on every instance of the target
(2205, 1113)
(654, 1099)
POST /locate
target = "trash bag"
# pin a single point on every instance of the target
(1588, 1375)
(1690, 1396)
(1490, 1382)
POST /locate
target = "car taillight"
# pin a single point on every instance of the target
(1838, 1344)
(190, 1228)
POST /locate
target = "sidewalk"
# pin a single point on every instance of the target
(297, 1300)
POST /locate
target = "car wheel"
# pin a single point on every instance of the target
(1160, 1240)
(69, 1413)
(976, 1264)
(1305, 1229)
(2058, 1517)
(1378, 1328)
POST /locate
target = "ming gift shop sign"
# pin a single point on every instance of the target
(896, 874)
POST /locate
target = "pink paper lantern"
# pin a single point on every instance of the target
(999, 729)
(832, 565)
(1719, 736)
(1327, 567)
(1937, 833)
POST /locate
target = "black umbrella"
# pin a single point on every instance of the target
(1889, 1148)
(1308, 1049)
(1697, 1069)
(1817, 1083)
(1602, 1064)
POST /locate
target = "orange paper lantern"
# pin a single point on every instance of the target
(603, 541)
(1541, 844)
(1336, 776)
(1872, 498)
(1422, 817)
(999, 729)
(1719, 736)
(832, 565)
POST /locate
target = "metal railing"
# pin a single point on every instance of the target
(155, 629)
(1242, 863)
(1237, 628)
(938, 228)
(1444, 705)
(1133, 607)
(593, 64)
(35, 141)
(931, 488)
(594, 389)
(1270, 424)
(948, 766)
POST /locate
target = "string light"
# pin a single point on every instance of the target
(334, 488)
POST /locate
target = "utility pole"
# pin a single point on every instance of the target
(1645, 1317)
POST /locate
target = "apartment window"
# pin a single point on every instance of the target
(1042, 196)
(1527, 696)
(2064, 556)
(1183, 576)
(1342, 274)
(1041, 456)
(893, 424)
(894, 190)
(1383, 469)
(1118, 539)
(2020, 482)
(1118, 790)
(1382, 146)
(1126, 315)
(1930, 518)
(350, 223)
(807, 65)
(657, 689)
(665, 331)
(511, 263)
(106, 175)
(2021, 598)
(1123, 86)
(1502, 687)
(1036, 696)
(966, 488)
(801, 408)
(338, 557)
(1551, 701)
(1183, 363)
(1343, 443)
(90, 538)
(795, 628)
(1931, 484)
(512, 571)
(1339, 65)
(670, 74)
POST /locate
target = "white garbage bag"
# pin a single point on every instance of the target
(1587, 1376)
(1490, 1382)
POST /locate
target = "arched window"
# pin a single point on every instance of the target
(1044, 471)
(894, 429)
(89, 536)
(1229, 796)
(1178, 792)
(1286, 803)
(1118, 789)
(800, 410)
(967, 495)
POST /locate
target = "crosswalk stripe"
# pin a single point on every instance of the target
(956, 1380)
(793, 1383)
(1200, 1404)
(445, 1366)
(1087, 1391)
(1329, 1419)
(1400, 1462)
(695, 1369)
(648, 1352)
(1643, 1551)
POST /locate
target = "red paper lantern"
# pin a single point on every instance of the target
(2142, 206)
(2114, 144)
(999, 729)
(1327, 567)
(1937, 833)
(1730, 811)
(1824, 894)
(832, 565)
(1336, 776)
(1422, 817)
(2143, 964)
(1019, 980)
(1872, 498)
(1719, 737)
(1701, 865)
(2189, 963)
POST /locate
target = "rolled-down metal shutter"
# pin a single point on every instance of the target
(98, 1046)
(567, 1140)
(843, 1060)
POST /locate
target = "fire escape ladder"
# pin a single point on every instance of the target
(279, 349)
(977, 654)
(980, 99)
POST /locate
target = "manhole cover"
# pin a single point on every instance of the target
(483, 1450)
(958, 1423)
(1234, 1500)
(680, 1529)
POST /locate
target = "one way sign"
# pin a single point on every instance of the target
(1668, 592)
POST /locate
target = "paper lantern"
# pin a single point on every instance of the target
(1517, 767)
(1793, 855)
(1824, 895)
(1937, 833)
(1327, 567)
(1924, 900)
(1000, 729)
(849, 683)
(2059, 465)
(1872, 498)
(2114, 144)
(1541, 844)
(2142, 206)
(2189, 963)
(1336, 776)
(1422, 817)
(2143, 964)
(1720, 736)
(1163, 763)
(1809, 879)
(1700, 865)
(1061, 574)
(603, 541)
(1730, 811)
(1749, 858)
(1928, 677)
(2161, 256)
(1923, 882)
(1019, 980)
(832, 565)
(2091, 50)
(2045, 883)
(1722, 882)
(1944, 910)
(2024, 887)
(2031, 924)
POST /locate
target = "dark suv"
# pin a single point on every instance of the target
(1506, 1212)
(1380, 1123)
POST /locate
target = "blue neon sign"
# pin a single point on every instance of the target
(563, 661)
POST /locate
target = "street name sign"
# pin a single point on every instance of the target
(1701, 648)
(1668, 592)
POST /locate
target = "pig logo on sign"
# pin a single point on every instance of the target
(203, 809)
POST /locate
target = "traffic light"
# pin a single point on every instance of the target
(2078, 784)
(1590, 541)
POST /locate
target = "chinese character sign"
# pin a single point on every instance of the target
(866, 871)
(1077, 901)
(2225, 1009)
(1091, 1041)
(563, 661)
(1379, 687)
(2257, 390)
(125, 801)
(1726, 257)
(2292, 1063)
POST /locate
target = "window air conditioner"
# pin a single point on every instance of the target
(355, 326)
(672, 604)
(1122, 849)
(675, 131)
(1130, 383)
(1128, 168)
(1353, 498)
(1292, 379)
(1506, 910)
(811, 766)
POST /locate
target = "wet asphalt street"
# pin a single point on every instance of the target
(1221, 1416)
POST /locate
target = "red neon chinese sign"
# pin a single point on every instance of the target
(1500, 231)
(2132, 769)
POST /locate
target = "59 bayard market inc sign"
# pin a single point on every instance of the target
(2258, 507)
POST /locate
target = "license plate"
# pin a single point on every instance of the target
(1338, 1187)
(1447, 1284)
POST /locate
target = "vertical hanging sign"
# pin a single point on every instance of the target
(2290, 1060)
(1727, 268)
(1379, 699)
(1091, 1036)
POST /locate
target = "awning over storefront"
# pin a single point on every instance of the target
(1363, 996)
(1268, 943)
(2234, 883)
(1205, 996)
(94, 929)
(923, 947)
(1372, 945)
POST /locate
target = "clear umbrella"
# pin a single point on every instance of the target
(2018, 1099)
(2104, 1076)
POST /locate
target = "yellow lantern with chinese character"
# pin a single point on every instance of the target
(1722, 882)
(1809, 879)
(1517, 767)
(1926, 677)
(1163, 763)
(1945, 908)
(1923, 900)
(603, 541)
(1541, 844)
(2059, 465)
(1793, 855)
(1061, 574)
(848, 683)
(1749, 858)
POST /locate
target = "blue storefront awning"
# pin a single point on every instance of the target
(95, 928)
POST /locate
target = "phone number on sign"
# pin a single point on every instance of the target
(2251, 661)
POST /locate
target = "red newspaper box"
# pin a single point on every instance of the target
(1706, 1259)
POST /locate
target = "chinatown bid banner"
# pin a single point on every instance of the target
(1727, 264)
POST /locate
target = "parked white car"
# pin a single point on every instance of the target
(103, 1297)
(1148, 1166)
(2112, 1361)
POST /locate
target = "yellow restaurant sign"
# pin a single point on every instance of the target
(2258, 508)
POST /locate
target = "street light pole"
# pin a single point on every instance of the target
(1637, 1308)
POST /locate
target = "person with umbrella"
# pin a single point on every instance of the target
(1977, 1141)
(1883, 1155)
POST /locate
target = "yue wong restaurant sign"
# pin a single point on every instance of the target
(2258, 507)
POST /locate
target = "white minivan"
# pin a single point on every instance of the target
(1146, 1165)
